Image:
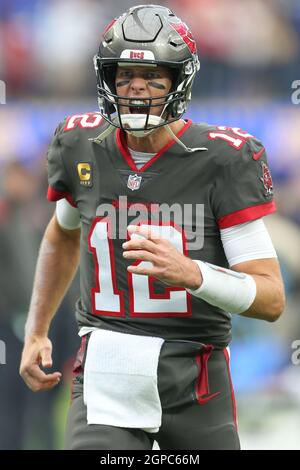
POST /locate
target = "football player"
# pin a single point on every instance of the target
(165, 217)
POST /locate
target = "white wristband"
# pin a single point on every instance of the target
(229, 290)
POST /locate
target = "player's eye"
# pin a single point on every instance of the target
(125, 74)
(152, 75)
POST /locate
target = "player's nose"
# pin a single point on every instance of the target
(138, 84)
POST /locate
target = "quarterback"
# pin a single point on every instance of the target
(155, 307)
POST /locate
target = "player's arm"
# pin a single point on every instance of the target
(56, 267)
(242, 195)
(253, 285)
(253, 288)
(269, 299)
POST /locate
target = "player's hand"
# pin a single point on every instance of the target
(168, 264)
(37, 352)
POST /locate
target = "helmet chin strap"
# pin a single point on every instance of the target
(187, 149)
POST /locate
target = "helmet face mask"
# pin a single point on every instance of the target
(147, 35)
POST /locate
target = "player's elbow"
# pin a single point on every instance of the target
(269, 307)
(276, 307)
(275, 314)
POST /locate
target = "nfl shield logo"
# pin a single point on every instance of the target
(134, 182)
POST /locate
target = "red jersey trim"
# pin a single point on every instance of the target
(122, 145)
(203, 394)
(247, 214)
(53, 195)
(227, 359)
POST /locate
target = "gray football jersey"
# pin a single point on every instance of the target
(186, 197)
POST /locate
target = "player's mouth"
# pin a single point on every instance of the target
(138, 107)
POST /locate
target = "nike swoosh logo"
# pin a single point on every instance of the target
(204, 399)
(257, 155)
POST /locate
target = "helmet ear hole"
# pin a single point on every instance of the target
(175, 77)
(109, 72)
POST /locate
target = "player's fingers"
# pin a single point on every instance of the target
(140, 244)
(146, 271)
(35, 373)
(139, 254)
(46, 359)
(38, 380)
(145, 231)
(37, 386)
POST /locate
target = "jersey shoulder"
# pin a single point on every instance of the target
(71, 140)
(80, 128)
(229, 145)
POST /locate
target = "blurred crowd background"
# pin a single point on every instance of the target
(249, 53)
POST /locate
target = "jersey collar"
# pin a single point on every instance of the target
(122, 145)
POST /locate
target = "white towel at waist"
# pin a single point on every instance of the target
(120, 380)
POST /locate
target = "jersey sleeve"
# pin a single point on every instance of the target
(59, 185)
(244, 187)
